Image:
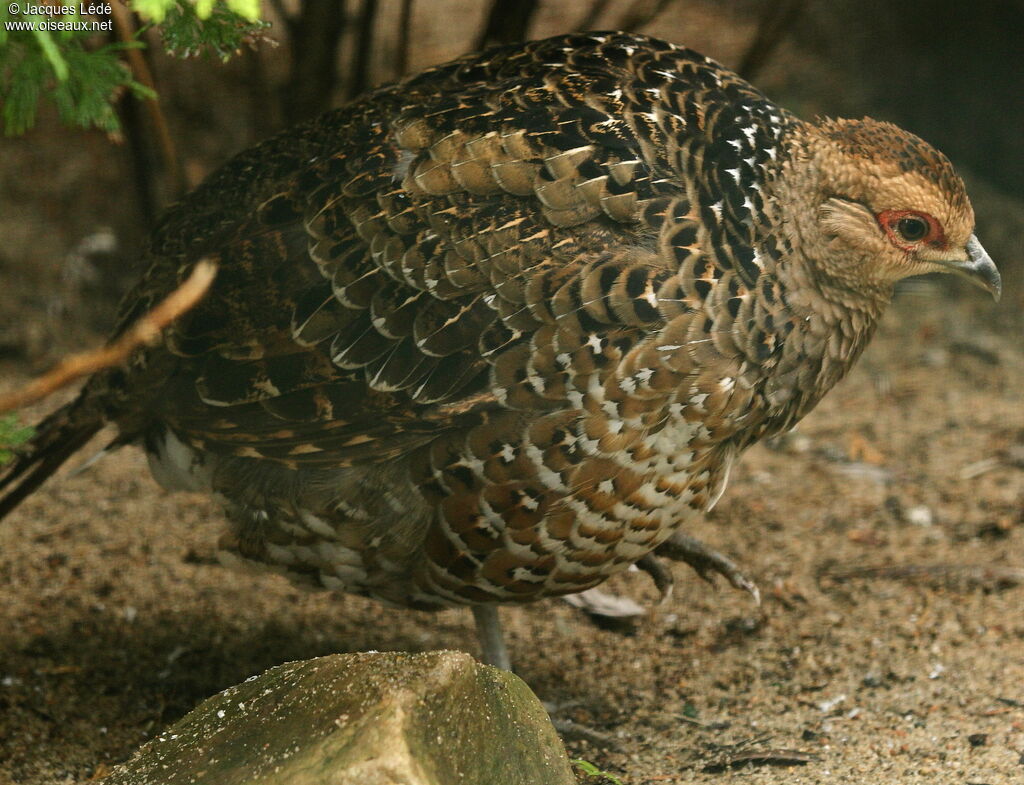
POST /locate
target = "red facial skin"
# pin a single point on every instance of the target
(889, 220)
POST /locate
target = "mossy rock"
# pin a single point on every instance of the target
(438, 718)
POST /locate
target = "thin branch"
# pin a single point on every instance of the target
(278, 6)
(642, 13)
(360, 68)
(142, 159)
(508, 22)
(778, 18)
(146, 331)
(125, 29)
(992, 576)
(404, 38)
(750, 758)
(314, 35)
(597, 8)
(264, 111)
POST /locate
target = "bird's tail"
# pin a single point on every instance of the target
(56, 438)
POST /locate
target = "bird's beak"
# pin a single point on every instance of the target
(978, 268)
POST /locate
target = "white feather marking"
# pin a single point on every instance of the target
(317, 525)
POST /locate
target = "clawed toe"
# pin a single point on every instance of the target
(704, 560)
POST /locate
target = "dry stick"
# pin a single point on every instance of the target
(264, 110)
(145, 331)
(404, 37)
(314, 37)
(360, 68)
(593, 14)
(778, 18)
(140, 68)
(278, 6)
(780, 757)
(508, 21)
(641, 13)
(997, 575)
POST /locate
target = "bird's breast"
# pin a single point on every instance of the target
(531, 506)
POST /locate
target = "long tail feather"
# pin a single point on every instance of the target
(57, 438)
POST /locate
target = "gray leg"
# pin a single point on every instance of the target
(488, 632)
(660, 574)
(706, 561)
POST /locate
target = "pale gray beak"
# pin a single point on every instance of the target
(979, 269)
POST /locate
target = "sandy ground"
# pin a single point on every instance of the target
(886, 535)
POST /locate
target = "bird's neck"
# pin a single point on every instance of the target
(831, 326)
(832, 310)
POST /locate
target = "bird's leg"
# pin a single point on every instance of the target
(492, 643)
(706, 561)
(660, 574)
(488, 632)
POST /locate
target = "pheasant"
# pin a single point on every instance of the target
(497, 332)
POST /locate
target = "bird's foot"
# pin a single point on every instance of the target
(660, 574)
(703, 559)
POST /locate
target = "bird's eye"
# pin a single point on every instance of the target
(908, 228)
(912, 229)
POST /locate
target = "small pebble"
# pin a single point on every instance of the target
(920, 516)
(831, 704)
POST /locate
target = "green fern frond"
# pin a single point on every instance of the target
(12, 434)
(74, 70)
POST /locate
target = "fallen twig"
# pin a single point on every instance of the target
(985, 576)
(507, 22)
(978, 468)
(359, 69)
(404, 39)
(589, 20)
(778, 19)
(783, 757)
(641, 13)
(124, 27)
(145, 331)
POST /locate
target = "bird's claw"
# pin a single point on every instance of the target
(660, 574)
(705, 561)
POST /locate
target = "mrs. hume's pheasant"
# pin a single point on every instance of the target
(498, 331)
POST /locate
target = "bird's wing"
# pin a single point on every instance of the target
(464, 235)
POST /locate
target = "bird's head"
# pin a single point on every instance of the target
(886, 206)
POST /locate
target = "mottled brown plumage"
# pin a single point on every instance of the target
(499, 331)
